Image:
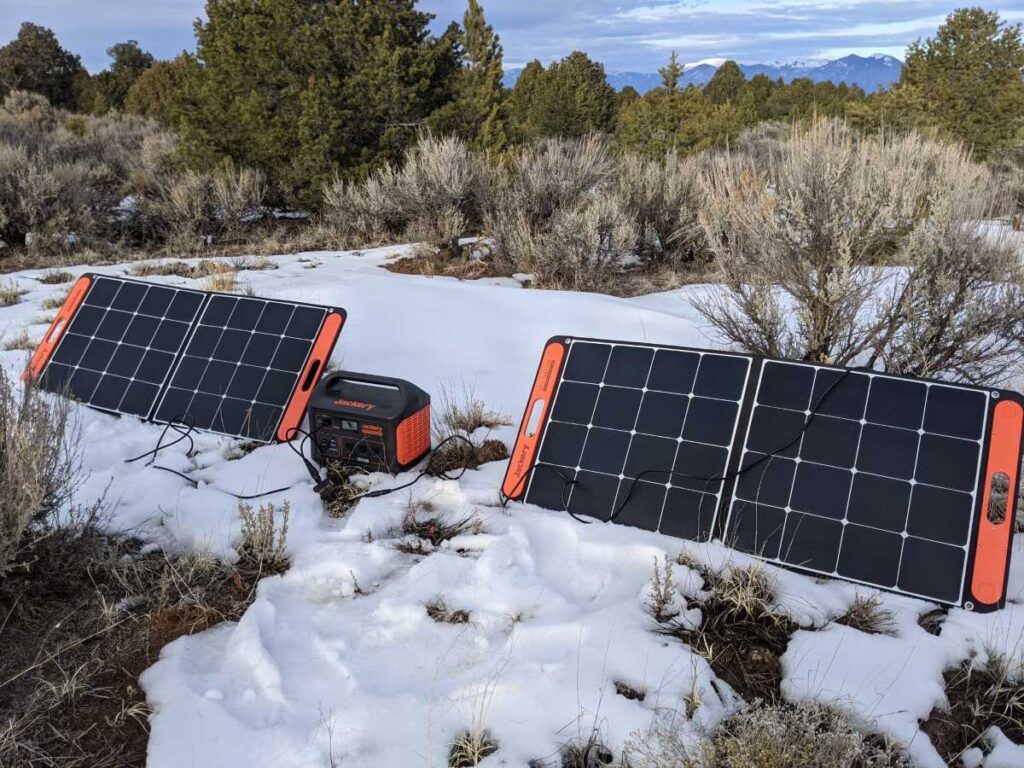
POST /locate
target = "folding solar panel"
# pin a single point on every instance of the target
(904, 484)
(236, 365)
(631, 430)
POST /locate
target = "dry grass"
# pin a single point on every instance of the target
(981, 695)
(868, 614)
(469, 748)
(742, 634)
(765, 736)
(161, 269)
(438, 610)
(663, 594)
(56, 301)
(10, 293)
(84, 615)
(424, 530)
(55, 277)
(21, 341)
(221, 282)
(262, 549)
(459, 417)
(39, 465)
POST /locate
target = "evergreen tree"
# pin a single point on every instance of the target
(684, 121)
(306, 89)
(112, 85)
(570, 98)
(523, 100)
(726, 84)
(162, 91)
(759, 89)
(35, 61)
(671, 73)
(481, 96)
(968, 78)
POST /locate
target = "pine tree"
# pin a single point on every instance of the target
(725, 85)
(306, 89)
(481, 94)
(968, 79)
(671, 73)
(112, 85)
(35, 61)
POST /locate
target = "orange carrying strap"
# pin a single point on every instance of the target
(314, 367)
(992, 551)
(537, 409)
(57, 328)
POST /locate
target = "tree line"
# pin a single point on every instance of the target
(308, 91)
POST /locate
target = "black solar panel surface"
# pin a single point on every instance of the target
(629, 423)
(227, 364)
(881, 488)
(119, 349)
(241, 365)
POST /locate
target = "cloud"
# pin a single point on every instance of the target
(624, 34)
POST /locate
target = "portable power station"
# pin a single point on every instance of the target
(376, 422)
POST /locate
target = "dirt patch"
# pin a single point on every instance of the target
(83, 615)
(980, 696)
(440, 265)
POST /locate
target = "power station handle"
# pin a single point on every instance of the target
(339, 377)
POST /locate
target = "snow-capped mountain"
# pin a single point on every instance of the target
(869, 72)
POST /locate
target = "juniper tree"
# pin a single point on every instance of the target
(967, 79)
(305, 90)
(35, 61)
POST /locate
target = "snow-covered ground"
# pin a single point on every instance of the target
(337, 661)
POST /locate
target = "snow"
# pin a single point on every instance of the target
(337, 661)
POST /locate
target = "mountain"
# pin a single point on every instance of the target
(869, 72)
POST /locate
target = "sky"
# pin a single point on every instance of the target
(623, 34)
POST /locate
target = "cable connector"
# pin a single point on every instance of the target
(326, 489)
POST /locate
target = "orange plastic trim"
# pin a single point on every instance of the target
(56, 331)
(527, 444)
(413, 436)
(993, 548)
(315, 365)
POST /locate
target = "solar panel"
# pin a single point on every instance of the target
(236, 365)
(636, 431)
(881, 488)
(903, 484)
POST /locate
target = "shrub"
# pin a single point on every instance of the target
(39, 462)
(663, 198)
(436, 196)
(262, 546)
(61, 175)
(765, 736)
(191, 209)
(799, 244)
(543, 180)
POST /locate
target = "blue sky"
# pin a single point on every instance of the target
(623, 34)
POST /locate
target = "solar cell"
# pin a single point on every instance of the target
(236, 365)
(903, 484)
